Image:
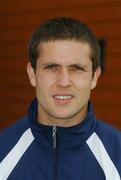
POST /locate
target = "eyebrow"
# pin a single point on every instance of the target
(52, 64)
(71, 65)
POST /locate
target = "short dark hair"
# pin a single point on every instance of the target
(63, 28)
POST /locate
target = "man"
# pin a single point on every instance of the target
(60, 138)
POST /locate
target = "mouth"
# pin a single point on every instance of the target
(63, 99)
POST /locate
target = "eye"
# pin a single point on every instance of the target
(51, 67)
(77, 68)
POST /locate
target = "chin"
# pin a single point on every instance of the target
(63, 115)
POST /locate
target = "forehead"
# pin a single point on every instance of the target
(64, 51)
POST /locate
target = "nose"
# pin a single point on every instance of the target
(64, 79)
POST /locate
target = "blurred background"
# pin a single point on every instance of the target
(18, 19)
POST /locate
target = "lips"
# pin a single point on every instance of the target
(63, 99)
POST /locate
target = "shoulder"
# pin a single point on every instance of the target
(111, 139)
(10, 136)
(105, 130)
(17, 127)
(108, 134)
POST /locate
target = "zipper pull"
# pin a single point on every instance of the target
(54, 136)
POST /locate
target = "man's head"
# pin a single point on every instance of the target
(63, 28)
(64, 68)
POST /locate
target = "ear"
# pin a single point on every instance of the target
(31, 74)
(95, 77)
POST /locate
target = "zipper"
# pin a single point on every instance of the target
(54, 131)
(55, 148)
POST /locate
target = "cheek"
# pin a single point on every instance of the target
(44, 83)
(82, 83)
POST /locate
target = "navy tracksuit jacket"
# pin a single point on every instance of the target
(90, 150)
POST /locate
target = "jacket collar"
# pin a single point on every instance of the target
(68, 137)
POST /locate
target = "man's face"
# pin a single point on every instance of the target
(63, 79)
